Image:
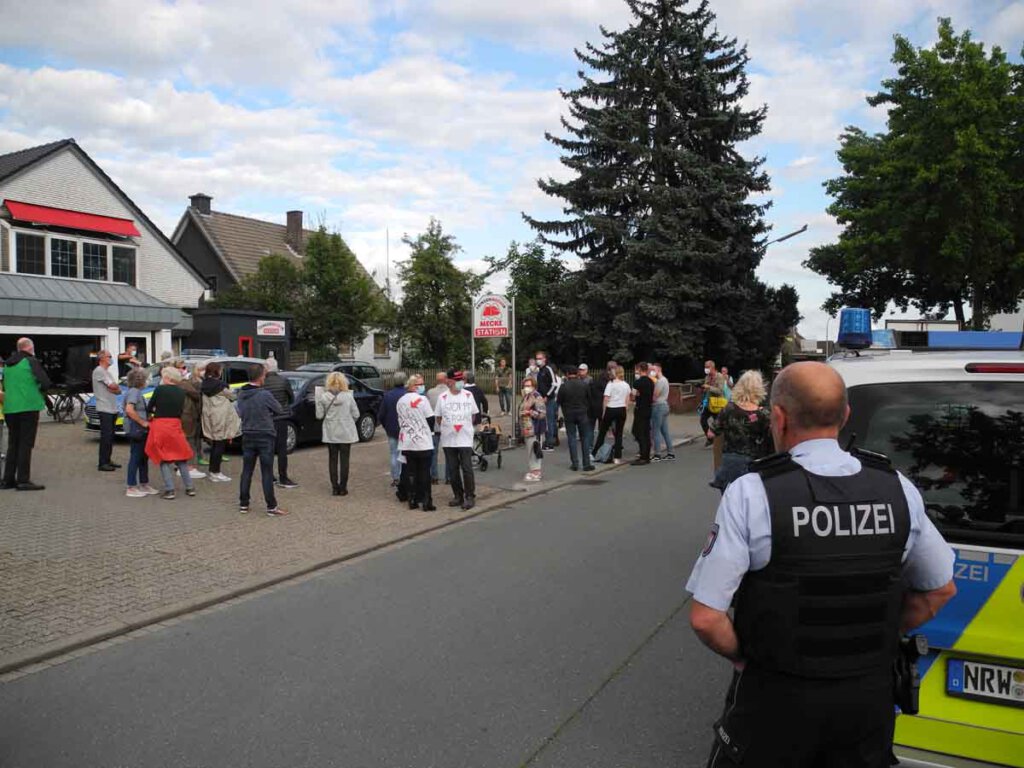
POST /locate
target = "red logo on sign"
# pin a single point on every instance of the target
(492, 310)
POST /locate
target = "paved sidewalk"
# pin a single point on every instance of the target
(80, 561)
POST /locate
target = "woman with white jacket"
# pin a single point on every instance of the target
(336, 406)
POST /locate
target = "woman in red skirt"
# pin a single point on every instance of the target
(166, 444)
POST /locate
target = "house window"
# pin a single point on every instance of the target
(31, 254)
(94, 261)
(381, 347)
(63, 258)
(345, 349)
(124, 265)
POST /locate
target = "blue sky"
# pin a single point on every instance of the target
(374, 115)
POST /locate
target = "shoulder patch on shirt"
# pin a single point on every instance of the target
(712, 538)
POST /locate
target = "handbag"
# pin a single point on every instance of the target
(717, 403)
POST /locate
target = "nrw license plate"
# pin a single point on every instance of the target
(985, 682)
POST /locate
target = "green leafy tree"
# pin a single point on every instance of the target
(339, 301)
(661, 206)
(275, 286)
(436, 311)
(932, 207)
(540, 284)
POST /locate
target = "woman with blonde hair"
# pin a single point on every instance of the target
(336, 407)
(744, 425)
(616, 396)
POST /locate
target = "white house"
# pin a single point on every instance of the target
(81, 266)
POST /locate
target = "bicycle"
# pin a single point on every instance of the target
(65, 405)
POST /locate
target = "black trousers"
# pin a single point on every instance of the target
(21, 439)
(614, 418)
(281, 449)
(106, 437)
(217, 448)
(642, 432)
(460, 461)
(337, 464)
(780, 721)
(418, 474)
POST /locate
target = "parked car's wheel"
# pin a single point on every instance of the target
(293, 437)
(366, 425)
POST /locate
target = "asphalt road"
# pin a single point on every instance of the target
(550, 633)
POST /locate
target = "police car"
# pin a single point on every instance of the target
(953, 422)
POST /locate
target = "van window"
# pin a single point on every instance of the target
(961, 443)
(237, 375)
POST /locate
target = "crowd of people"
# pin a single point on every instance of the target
(191, 416)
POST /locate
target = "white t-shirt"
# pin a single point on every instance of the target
(414, 432)
(456, 413)
(617, 393)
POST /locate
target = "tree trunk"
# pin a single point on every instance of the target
(958, 311)
(977, 310)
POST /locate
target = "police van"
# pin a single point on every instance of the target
(953, 422)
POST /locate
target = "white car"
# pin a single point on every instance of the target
(953, 422)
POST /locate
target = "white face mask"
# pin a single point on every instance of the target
(707, 371)
(527, 390)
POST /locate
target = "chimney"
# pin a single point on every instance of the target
(293, 235)
(200, 203)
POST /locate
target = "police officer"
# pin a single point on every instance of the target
(830, 556)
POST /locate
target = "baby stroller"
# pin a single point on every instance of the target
(486, 443)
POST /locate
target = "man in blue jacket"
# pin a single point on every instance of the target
(387, 417)
(258, 408)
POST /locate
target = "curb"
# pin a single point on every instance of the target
(118, 627)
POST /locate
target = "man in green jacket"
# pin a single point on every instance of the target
(25, 381)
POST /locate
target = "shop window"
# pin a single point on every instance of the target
(31, 254)
(94, 261)
(63, 258)
(124, 265)
(381, 345)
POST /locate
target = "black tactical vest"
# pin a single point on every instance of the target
(828, 602)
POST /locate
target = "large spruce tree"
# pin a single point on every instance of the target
(661, 207)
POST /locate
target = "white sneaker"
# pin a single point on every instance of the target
(219, 477)
(616, 461)
(135, 493)
(149, 490)
(195, 474)
(532, 478)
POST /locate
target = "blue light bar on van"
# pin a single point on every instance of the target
(884, 338)
(974, 340)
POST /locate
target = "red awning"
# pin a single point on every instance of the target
(59, 217)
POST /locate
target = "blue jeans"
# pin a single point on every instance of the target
(138, 463)
(552, 421)
(505, 399)
(659, 426)
(396, 465)
(434, 464)
(579, 428)
(258, 446)
(167, 471)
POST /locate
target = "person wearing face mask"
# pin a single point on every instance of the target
(574, 399)
(714, 397)
(532, 414)
(643, 397)
(478, 394)
(820, 588)
(547, 387)
(456, 413)
(416, 427)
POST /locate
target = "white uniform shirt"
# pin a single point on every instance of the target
(414, 434)
(617, 393)
(456, 412)
(741, 538)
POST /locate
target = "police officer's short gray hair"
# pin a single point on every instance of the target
(469, 377)
(812, 395)
(399, 379)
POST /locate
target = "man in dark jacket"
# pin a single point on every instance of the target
(643, 390)
(478, 394)
(259, 410)
(574, 398)
(277, 386)
(387, 417)
(24, 382)
(547, 387)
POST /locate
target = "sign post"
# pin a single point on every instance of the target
(515, 379)
(491, 321)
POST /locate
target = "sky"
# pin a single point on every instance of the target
(372, 116)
